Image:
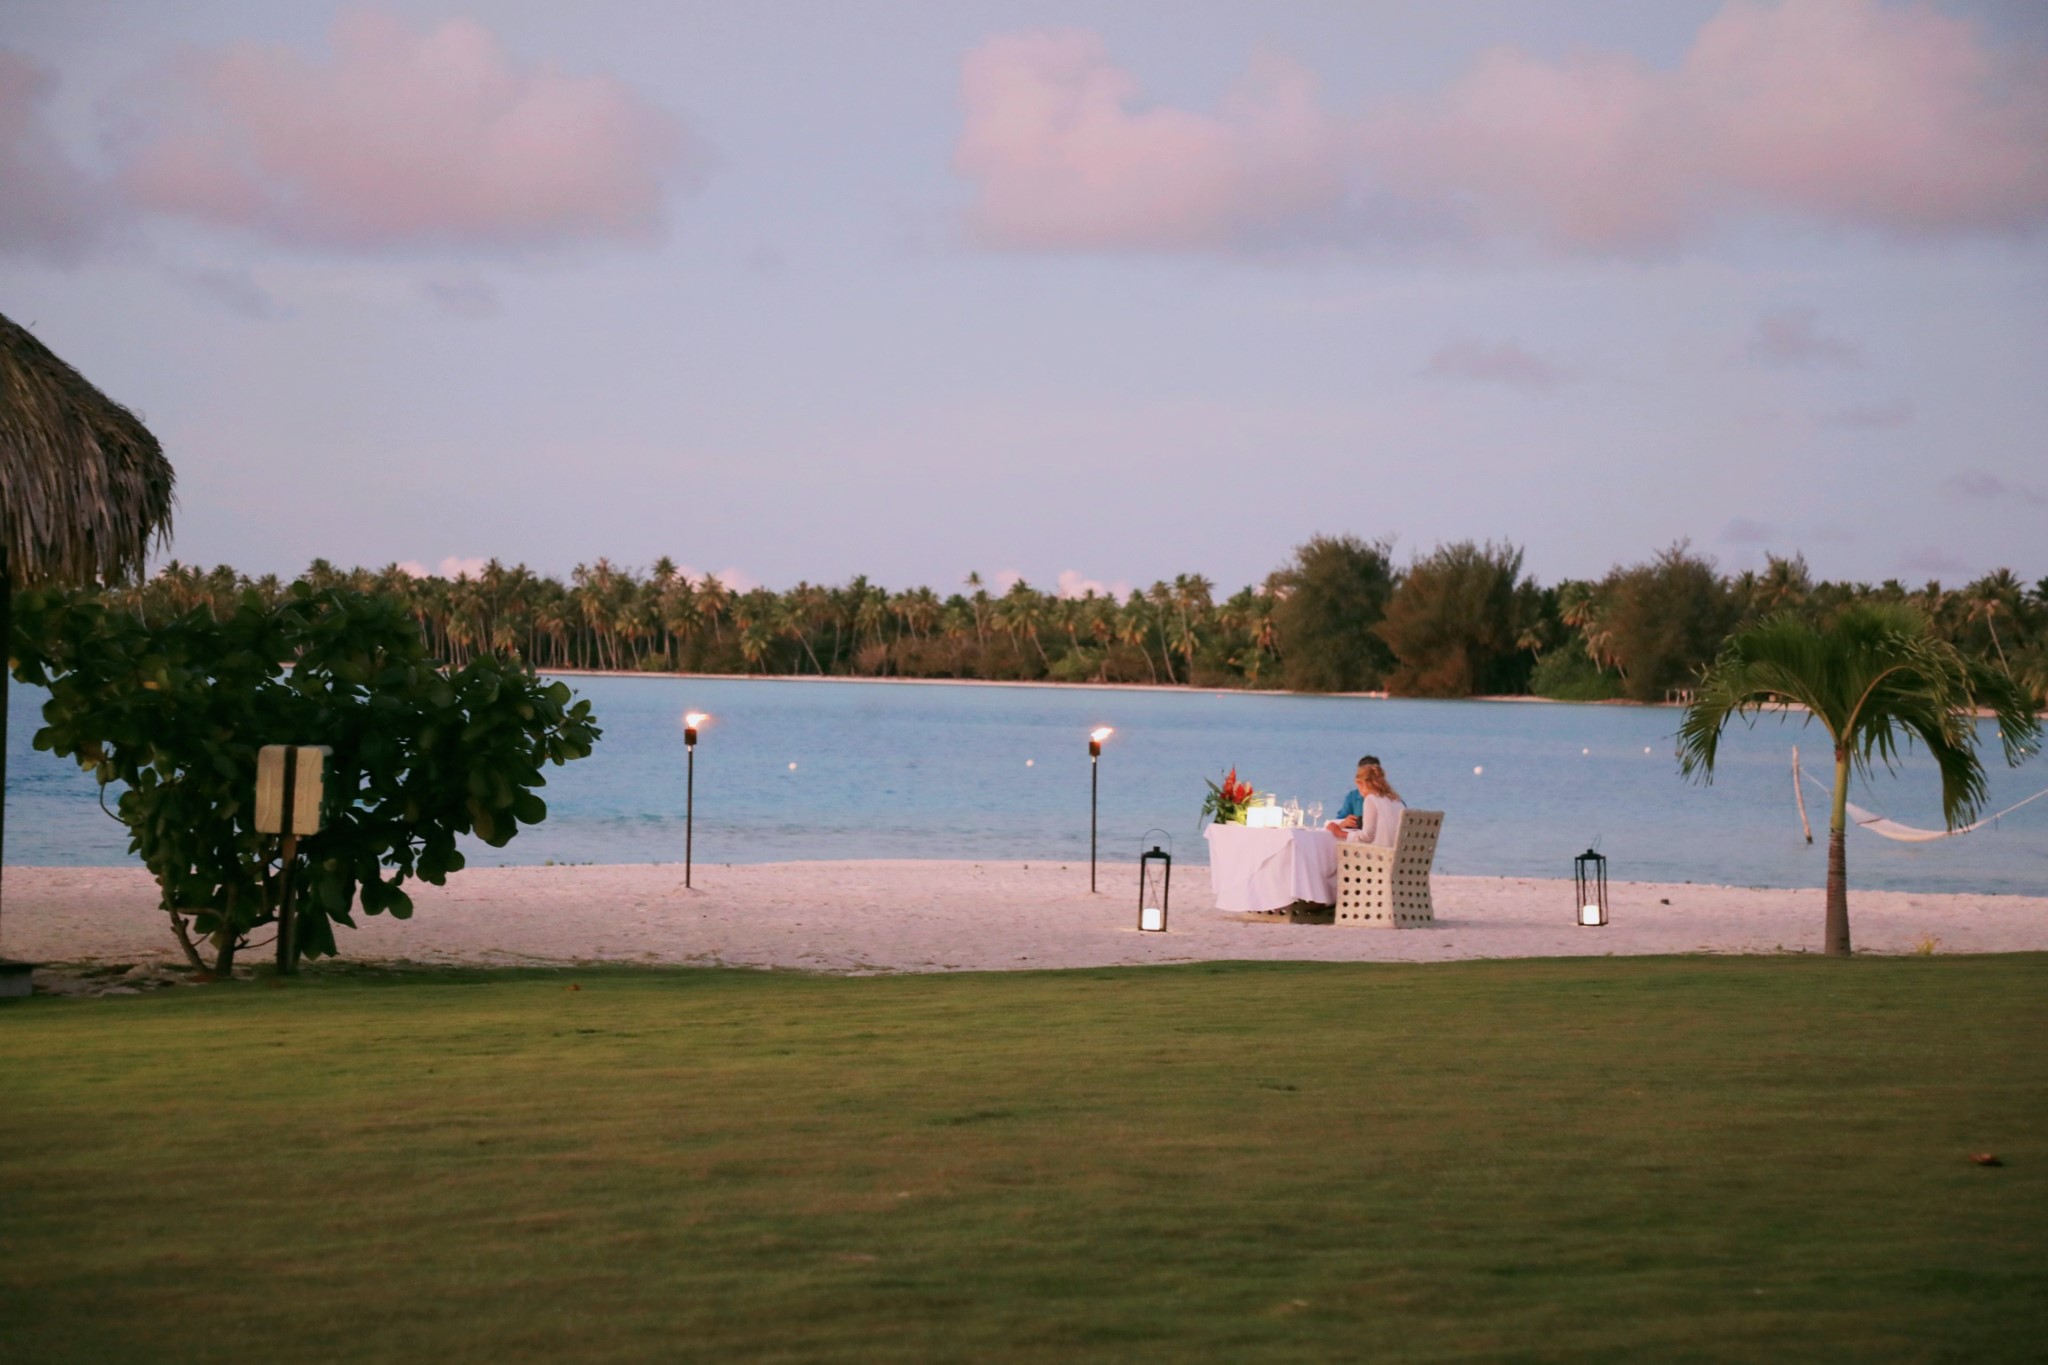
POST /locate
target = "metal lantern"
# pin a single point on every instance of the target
(1155, 879)
(1589, 876)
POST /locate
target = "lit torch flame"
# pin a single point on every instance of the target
(1099, 735)
(694, 720)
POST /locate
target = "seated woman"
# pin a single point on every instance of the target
(1372, 813)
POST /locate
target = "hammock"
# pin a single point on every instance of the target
(1892, 829)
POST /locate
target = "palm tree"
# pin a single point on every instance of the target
(1877, 675)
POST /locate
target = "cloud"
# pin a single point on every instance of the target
(50, 209)
(402, 138)
(1006, 579)
(1872, 417)
(454, 566)
(1073, 583)
(1791, 339)
(1744, 531)
(1060, 159)
(1837, 113)
(1928, 559)
(467, 297)
(1501, 362)
(237, 291)
(1988, 487)
(733, 580)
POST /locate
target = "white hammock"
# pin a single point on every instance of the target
(1892, 829)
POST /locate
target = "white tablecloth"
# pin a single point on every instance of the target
(1270, 869)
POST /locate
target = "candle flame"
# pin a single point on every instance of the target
(1099, 735)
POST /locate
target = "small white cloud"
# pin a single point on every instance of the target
(729, 578)
(455, 566)
(412, 568)
(1073, 583)
(1007, 579)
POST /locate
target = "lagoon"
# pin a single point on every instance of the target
(902, 770)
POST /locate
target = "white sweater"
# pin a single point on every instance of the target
(1380, 822)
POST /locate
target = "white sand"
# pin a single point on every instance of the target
(959, 916)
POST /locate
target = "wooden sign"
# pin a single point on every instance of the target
(291, 788)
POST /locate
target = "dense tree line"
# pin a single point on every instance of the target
(1341, 615)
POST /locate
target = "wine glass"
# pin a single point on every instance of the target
(1315, 815)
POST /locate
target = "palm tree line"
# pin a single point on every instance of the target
(1339, 616)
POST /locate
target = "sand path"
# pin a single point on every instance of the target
(906, 916)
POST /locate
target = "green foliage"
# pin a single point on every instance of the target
(1332, 597)
(1658, 624)
(1228, 800)
(1454, 622)
(1567, 673)
(177, 711)
(1310, 625)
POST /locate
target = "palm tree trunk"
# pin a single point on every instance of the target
(1835, 932)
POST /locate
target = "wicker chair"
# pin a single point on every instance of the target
(1388, 888)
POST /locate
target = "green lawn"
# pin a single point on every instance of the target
(1640, 1159)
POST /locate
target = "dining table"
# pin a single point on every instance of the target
(1261, 870)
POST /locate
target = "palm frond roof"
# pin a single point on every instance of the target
(85, 489)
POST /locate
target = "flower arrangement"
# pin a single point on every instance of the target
(1227, 799)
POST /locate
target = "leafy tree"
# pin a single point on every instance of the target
(1331, 597)
(1875, 675)
(176, 711)
(1658, 624)
(1453, 622)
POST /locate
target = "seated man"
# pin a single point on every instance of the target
(1372, 813)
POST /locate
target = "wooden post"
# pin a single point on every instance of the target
(288, 852)
(1799, 795)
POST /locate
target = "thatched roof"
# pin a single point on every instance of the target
(84, 488)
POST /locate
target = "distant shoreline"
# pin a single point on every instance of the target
(1187, 688)
(1983, 713)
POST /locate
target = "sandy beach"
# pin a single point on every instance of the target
(924, 916)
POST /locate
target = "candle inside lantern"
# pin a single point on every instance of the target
(1151, 919)
(1589, 914)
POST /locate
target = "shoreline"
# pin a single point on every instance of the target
(1185, 688)
(1788, 708)
(890, 916)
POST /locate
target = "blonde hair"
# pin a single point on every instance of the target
(1375, 779)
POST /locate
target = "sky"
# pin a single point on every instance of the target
(1088, 293)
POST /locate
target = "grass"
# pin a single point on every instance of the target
(1670, 1159)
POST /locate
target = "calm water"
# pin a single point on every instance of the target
(897, 771)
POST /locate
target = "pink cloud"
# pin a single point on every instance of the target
(404, 137)
(49, 207)
(1842, 113)
(1061, 158)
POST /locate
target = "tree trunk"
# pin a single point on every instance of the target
(1835, 932)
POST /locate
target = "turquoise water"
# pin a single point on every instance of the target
(907, 771)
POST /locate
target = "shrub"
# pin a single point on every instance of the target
(176, 712)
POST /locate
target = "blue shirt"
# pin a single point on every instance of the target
(1352, 804)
